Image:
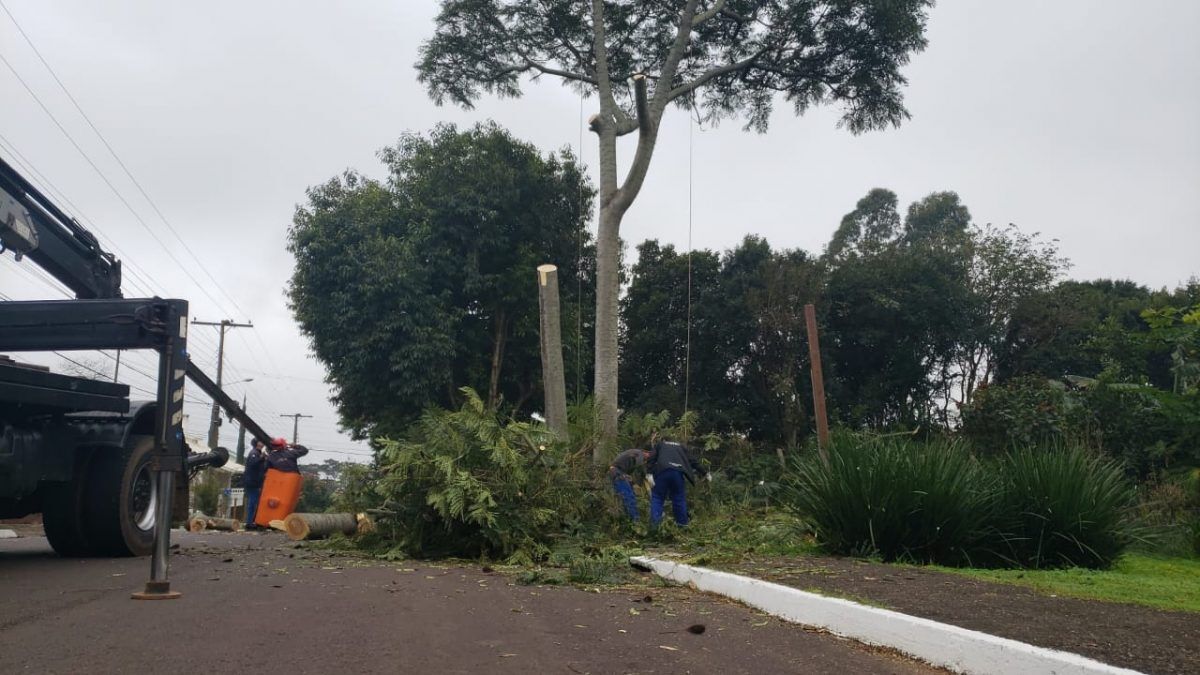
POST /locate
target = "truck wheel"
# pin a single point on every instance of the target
(121, 498)
(63, 511)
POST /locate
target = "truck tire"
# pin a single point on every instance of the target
(121, 497)
(63, 511)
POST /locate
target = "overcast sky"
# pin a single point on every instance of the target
(1077, 119)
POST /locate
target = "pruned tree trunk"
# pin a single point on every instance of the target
(554, 384)
(319, 525)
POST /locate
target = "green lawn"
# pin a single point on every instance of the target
(1164, 583)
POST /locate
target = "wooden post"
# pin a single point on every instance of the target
(818, 382)
(553, 376)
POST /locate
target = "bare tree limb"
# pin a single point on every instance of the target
(603, 81)
(671, 65)
(708, 76)
(567, 75)
(709, 13)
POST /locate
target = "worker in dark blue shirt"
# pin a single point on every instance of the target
(252, 480)
(669, 465)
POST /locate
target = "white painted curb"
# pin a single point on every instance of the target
(959, 649)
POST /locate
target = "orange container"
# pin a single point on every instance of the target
(280, 494)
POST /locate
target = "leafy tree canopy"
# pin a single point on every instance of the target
(412, 286)
(732, 56)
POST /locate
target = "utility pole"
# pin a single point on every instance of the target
(295, 425)
(224, 324)
(818, 383)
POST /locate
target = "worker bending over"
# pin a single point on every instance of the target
(621, 473)
(669, 465)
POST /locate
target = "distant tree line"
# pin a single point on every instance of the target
(414, 285)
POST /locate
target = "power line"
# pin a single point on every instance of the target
(46, 185)
(113, 152)
(145, 195)
(141, 221)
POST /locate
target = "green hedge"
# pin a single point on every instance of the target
(936, 503)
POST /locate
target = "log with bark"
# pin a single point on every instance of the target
(318, 525)
(201, 523)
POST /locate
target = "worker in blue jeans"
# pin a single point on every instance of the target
(252, 481)
(669, 465)
(621, 472)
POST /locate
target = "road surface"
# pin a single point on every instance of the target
(259, 603)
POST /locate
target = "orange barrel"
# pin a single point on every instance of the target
(280, 494)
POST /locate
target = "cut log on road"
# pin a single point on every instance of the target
(317, 525)
(225, 524)
(201, 523)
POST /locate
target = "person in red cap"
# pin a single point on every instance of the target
(282, 457)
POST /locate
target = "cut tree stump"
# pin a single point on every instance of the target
(318, 525)
(197, 524)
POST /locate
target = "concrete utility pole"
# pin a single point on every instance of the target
(295, 425)
(554, 385)
(215, 423)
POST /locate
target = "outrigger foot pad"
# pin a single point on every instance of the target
(157, 590)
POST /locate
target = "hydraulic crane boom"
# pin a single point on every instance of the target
(31, 225)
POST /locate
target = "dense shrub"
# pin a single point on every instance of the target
(934, 502)
(1147, 429)
(1063, 508)
(893, 498)
(1024, 410)
(465, 483)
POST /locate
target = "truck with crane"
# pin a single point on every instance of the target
(108, 474)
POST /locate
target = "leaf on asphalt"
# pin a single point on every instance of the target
(633, 612)
(670, 649)
(763, 623)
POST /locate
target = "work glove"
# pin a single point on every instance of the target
(650, 480)
(708, 478)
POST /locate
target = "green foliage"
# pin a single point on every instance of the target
(748, 364)
(465, 483)
(206, 493)
(1148, 430)
(409, 286)
(812, 52)
(935, 502)
(316, 494)
(896, 298)
(356, 490)
(894, 499)
(1025, 410)
(1063, 508)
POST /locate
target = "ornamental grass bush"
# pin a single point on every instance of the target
(1063, 507)
(893, 498)
(935, 502)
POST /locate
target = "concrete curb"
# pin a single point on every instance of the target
(944, 645)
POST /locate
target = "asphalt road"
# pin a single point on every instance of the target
(255, 602)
